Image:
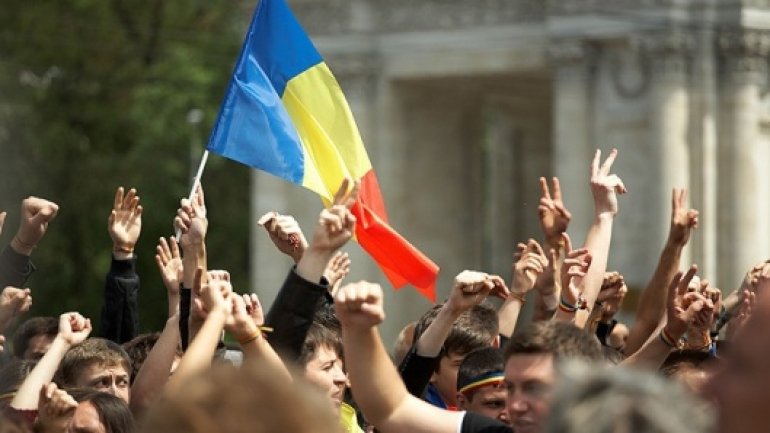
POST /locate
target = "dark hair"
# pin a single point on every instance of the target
(681, 360)
(477, 363)
(138, 349)
(30, 329)
(113, 411)
(612, 355)
(474, 329)
(12, 374)
(560, 339)
(92, 351)
(325, 331)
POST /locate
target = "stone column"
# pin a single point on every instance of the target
(743, 178)
(572, 65)
(668, 129)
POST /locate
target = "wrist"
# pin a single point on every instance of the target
(313, 263)
(122, 252)
(22, 247)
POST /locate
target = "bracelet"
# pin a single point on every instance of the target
(122, 249)
(668, 340)
(518, 296)
(565, 307)
(260, 332)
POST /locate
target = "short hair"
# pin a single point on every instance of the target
(588, 399)
(560, 339)
(681, 360)
(139, 348)
(404, 342)
(325, 331)
(12, 374)
(223, 400)
(97, 351)
(113, 412)
(30, 329)
(474, 329)
(480, 362)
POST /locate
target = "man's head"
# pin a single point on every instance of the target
(692, 369)
(530, 375)
(474, 329)
(741, 386)
(321, 357)
(591, 399)
(479, 384)
(138, 349)
(96, 364)
(34, 337)
(99, 412)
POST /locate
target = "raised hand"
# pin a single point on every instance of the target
(36, 213)
(214, 294)
(530, 264)
(605, 186)
(254, 308)
(359, 305)
(683, 220)
(612, 294)
(73, 328)
(573, 269)
(191, 220)
(125, 222)
(685, 308)
(169, 263)
(472, 287)
(285, 233)
(748, 302)
(55, 409)
(336, 271)
(240, 323)
(13, 302)
(554, 216)
(336, 224)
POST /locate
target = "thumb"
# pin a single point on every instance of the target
(45, 214)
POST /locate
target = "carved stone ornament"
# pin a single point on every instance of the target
(744, 54)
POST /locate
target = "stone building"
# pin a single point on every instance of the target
(463, 104)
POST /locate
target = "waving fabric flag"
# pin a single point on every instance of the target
(285, 113)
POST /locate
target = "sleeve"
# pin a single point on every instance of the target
(15, 268)
(120, 318)
(184, 316)
(416, 371)
(475, 423)
(292, 313)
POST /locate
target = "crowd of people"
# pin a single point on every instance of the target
(690, 361)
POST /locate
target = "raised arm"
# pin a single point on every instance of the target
(213, 297)
(526, 270)
(573, 270)
(13, 302)
(291, 314)
(376, 386)
(120, 318)
(15, 263)
(652, 304)
(192, 223)
(73, 329)
(156, 369)
(605, 187)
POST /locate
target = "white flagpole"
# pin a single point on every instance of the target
(195, 183)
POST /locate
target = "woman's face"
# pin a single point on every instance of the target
(325, 370)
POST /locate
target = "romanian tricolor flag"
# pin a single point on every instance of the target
(285, 113)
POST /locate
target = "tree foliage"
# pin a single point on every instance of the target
(97, 94)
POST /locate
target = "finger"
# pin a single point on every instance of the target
(567, 243)
(685, 282)
(353, 196)
(198, 280)
(607, 166)
(556, 188)
(536, 248)
(544, 189)
(200, 197)
(117, 204)
(342, 192)
(2, 220)
(673, 289)
(129, 199)
(595, 163)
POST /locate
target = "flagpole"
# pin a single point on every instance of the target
(196, 182)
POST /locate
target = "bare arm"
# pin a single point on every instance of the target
(192, 223)
(652, 304)
(605, 187)
(526, 270)
(378, 389)
(73, 329)
(156, 369)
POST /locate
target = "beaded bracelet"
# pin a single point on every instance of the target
(565, 307)
(668, 340)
